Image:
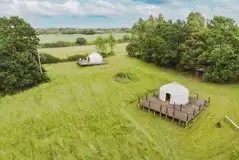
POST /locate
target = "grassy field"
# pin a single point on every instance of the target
(68, 51)
(84, 114)
(72, 37)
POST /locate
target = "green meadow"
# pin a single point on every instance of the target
(72, 37)
(82, 113)
(69, 51)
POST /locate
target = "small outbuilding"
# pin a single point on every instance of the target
(174, 93)
(95, 58)
(92, 59)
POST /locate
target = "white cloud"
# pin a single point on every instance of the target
(177, 9)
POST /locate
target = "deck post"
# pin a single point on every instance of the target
(194, 111)
(205, 103)
(197, 96)
(173, 114)
(209, 99)
(166, 112)
(138, 102)
(187, 117)
(200, 107)
(146, 96)
(181, 107)
(160, 112)
(174, 105)
(149, 107)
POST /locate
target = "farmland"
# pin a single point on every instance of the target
(82, 113)
(68, 51)
(72, 37)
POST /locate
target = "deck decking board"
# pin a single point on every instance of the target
(187, 113)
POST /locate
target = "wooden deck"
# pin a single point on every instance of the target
(181, 113)
(86, 63)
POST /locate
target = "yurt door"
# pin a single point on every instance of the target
(168, 97)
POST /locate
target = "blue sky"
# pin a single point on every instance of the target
(111, 13)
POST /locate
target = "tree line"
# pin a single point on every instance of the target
(81, 41)
(212, 45)
(87, 31)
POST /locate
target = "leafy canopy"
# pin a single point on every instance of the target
(188, 45)
(19, 65)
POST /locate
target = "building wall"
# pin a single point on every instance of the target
(96, 59)
(178, 99)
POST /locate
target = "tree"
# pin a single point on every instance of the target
(189, 45)
(81, 41)
(19, 66)
(111, 41)
(100, 44)
(126, 38)
(221, 64)
(194, 43)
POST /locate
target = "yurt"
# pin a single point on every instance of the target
(95, 58)
(174, 93)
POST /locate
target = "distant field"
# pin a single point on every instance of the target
(72, 37)
(68, 51)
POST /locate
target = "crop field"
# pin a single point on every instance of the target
(68, 51)
(72, 37)
(83, 113)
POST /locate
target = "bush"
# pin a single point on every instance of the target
(112, 53)
(126, 38)
(125, 77)
(47, 58)
(105, 54)
(235, 155)
(57, 44)
(81, 41)
(219, 125)
(74, 57)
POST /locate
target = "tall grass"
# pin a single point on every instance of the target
(83, 113)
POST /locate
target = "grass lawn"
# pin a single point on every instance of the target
(84, 114)
(68, 51)
(72, 37)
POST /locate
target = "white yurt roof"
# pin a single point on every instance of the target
(95, 55)
(174, 88)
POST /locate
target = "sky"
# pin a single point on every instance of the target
(111, 13)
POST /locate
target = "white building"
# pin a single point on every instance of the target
(95, 58)
(174, 93)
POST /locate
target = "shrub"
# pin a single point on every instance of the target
(81, 41)
(125, 77)
(74, 57)
(126, 38)
(219, 125)
(119, 40)
(112, 53)
(235, 155)
(103, 54)
(57, 44)
(47, 58)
